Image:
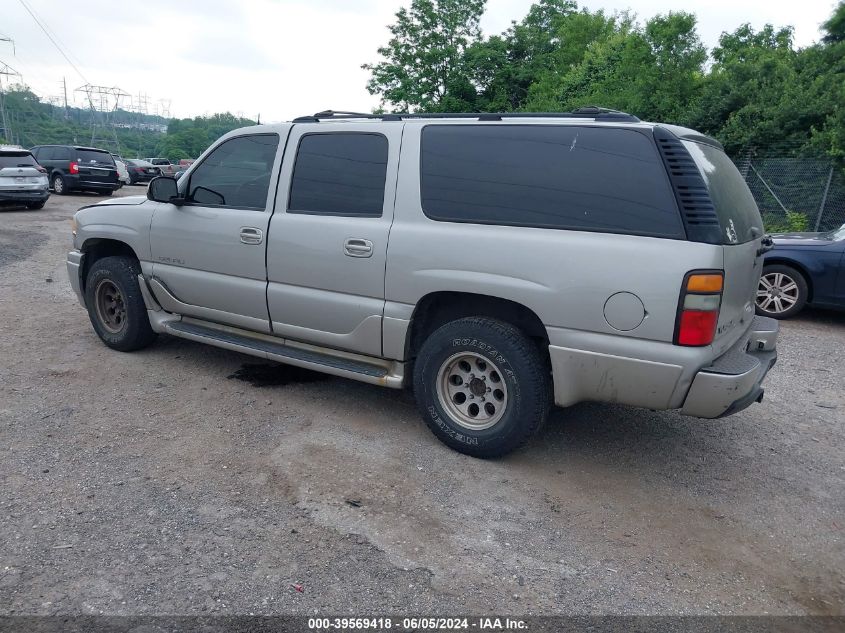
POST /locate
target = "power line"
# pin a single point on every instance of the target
(50, 37)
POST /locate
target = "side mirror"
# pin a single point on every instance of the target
(164, 189)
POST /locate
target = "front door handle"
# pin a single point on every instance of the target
(357, 247)
(251, 235)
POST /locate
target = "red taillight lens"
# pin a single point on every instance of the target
(74, 168)
(41, 169)
(698, 315)
(697, 328)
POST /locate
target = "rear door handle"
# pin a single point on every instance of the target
(251, 235)
(357, 247)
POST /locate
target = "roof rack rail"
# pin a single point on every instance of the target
(588, 112)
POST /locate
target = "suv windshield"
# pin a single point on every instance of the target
(94, 156)
(735, 206)
(19, 159)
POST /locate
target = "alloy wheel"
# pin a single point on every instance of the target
(472, 390)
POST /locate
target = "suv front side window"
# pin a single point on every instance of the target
(236, 173)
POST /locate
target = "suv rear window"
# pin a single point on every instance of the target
(92, 156)
(16, 159)
(563, 177)
(339, 173)
(735, 205)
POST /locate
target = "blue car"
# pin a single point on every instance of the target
(802, 269)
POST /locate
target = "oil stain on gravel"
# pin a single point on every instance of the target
(259, 375)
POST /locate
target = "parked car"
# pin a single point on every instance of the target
(22, 180)
(803, 269)
(75, 168)
(166, 167)
(490, 262)
(141, 171)
(184, 163)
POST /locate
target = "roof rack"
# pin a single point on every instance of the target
(588, 112)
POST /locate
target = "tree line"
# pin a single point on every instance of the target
(754, 90)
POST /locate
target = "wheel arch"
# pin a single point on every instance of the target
(438, 308)
(792, 263)
(96, 248)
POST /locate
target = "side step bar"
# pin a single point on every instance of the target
(337, 363)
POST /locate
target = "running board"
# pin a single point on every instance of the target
(375, 371)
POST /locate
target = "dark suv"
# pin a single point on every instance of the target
(71, 167)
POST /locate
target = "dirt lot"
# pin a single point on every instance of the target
(160, 482)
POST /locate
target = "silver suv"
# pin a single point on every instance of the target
(495, 263)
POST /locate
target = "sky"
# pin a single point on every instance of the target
(276, 58)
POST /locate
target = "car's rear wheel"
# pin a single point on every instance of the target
(115, 304)
(482, 386)
(35, 205)
(59, 185)
(782, 292)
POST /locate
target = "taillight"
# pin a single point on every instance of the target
(698, 309)
(41, 169)
(74, 168)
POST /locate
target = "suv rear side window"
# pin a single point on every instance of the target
(16, 159)
(236, 173)
(562, 177)
(735, 205)
(340, 173)
(93, 157)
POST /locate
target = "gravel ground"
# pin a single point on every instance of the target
(165, 481)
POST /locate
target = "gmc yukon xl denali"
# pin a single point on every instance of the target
(495, 264)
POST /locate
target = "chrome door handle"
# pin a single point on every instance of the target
(251, 235)
(357, 247)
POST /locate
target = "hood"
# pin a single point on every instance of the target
(117, 202)
(802, 239)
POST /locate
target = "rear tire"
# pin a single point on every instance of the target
(782, 292)
(59, 185)
(35, 205)
(482, 386)
(115, 304)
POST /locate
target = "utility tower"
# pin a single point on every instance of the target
(102, 102)
(6, 71)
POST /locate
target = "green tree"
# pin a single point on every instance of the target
(654, 71)
(424, 64)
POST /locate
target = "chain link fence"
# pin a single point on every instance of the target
(796, 193)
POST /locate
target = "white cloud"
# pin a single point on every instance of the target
(280, 58)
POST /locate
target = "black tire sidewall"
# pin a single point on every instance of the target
(803, 291)
(520, 366)
(123, 273)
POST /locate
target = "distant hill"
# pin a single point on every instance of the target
(34, 122)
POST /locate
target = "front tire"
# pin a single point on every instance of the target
(482, 386)
(782, 293)
(115, 304)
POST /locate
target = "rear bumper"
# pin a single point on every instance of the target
(74, 265)
(76, 181)
(27, 195)
(733, 381)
